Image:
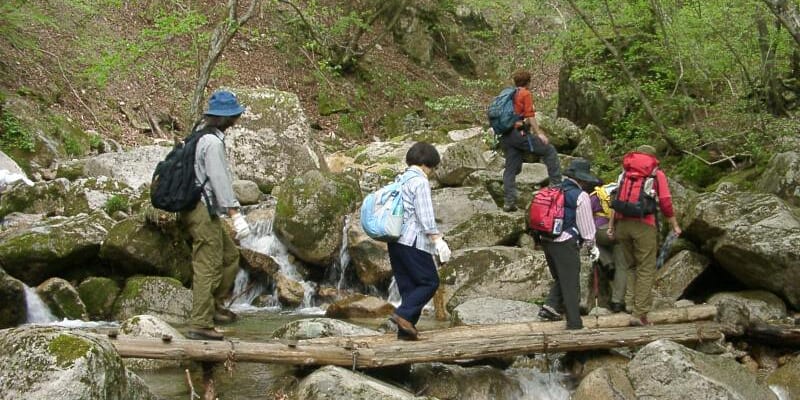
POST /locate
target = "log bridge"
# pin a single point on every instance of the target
(689, 324)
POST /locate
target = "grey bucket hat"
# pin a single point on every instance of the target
(580, 169)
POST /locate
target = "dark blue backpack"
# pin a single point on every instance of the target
(501, 112)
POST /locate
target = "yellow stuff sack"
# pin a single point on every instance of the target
(604, 193)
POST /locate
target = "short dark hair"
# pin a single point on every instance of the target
(219, 122)
(422, 153)
(521, 78)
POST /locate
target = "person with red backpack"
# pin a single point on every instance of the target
(642, 190)
(519, 141)
(562, 241)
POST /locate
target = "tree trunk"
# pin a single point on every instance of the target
(788, 14)
(461, 343)
(777, 335)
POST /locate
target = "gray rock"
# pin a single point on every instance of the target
(786, 379)
(359, 306)
(666, 370)
(464, 134)
(162, 297)
(136, 247)
(453, 206)
(62, 197)
(12, 297)
(675, 276)
(8, 164)
(312, 328)
(62, 299)
(247, 192)
(762, 306)
(458, 161)
(133, 167)
(333, 383)
(755, 237)
(592, 143)
(564, 135)
(310, 215)
(485, 229)
(605, 384)
(271, 142)
(509, 273)
(369, 257)
(442, 381)
(61, 364)
(488, 310)
(98, 294)
(289, 291)
(54, 246)
(782, 177)
(149, 326)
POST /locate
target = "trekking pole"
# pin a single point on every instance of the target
(595, 267)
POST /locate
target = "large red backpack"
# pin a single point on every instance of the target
(546, 213)
(636, 191)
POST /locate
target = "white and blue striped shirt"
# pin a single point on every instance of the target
(418, 217)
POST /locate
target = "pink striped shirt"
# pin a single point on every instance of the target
(583, 220)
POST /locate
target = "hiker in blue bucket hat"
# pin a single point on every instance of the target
(215, 257)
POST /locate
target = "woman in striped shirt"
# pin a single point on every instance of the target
(412, 254)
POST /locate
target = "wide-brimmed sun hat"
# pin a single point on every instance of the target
(646, 149)
(580, 169)
(224, 104)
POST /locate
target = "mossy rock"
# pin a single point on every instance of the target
(62, 299)
(98, 294)
(62, 197)
(160, 296)
(12, 297)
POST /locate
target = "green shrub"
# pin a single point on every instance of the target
(116, 203)
(13, 136)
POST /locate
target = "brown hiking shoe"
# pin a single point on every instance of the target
(204, 334)
(405, 326)
(640, 321)
(224, 316)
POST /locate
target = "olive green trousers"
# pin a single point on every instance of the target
(215, 262)
(639, 243)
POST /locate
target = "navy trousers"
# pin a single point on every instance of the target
(416, 277)
(564, 262)
(515, 145)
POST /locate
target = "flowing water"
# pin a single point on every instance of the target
(38, 312)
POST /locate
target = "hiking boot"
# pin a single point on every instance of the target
(509, 207)
(224, 316)
(616, 307)
(404, 326)
(548, 313)
(204, 334)
(640, 321)
(402, 335)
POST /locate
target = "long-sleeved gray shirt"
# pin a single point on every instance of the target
(210, 162)
(418, 217)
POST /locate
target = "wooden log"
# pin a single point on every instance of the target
(474, 342)
(776, 335)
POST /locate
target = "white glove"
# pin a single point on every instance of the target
(442, 249)
(241, 226)
(594, 253)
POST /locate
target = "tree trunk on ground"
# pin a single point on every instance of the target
(461, 343)
(779, 335)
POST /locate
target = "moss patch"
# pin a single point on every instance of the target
(67, 349)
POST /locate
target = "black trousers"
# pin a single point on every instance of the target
(516, 144)
(564, 261)
(416, 277)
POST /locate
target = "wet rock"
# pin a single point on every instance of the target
(247, 192)
(62, 299)
(359, 306)
(290, 292)
(12, 297)
(488, 310)
(605, 383)
(149, 326)
(369, 257)
(443, 381)
(329, 383)
(786, 380)
(98, 294)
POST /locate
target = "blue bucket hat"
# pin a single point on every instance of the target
(580, 168)
(224, 104)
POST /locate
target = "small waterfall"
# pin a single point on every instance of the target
(263, 240)
(540, 385)
(394, 294)
(38, 312)
(344, 258)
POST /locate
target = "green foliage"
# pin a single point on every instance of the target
(116, 203)
(451, 103)
(16, 18)
(13, 135)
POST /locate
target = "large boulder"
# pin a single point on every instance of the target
(563, 133)
(62, 197)
(310, 215)
(51, 363)
(486, 229)
(533, 176)
(666, 370)
(442, 381)
(509, 273)
(56, 246)
(605, 384)
(12, 297)
(98, 294)
(488, 310)
(152, 327)
(272, 141)
(312, 328)
(453, 206)
(162, 297)
(761, 306)
(136, 247)
(62, 299)
(582, 99)
(8, 164)
(369, 257)
(133, 167)
(329, 383)
(675, 276)
(755, 237)
(289, 291)
(782, 177)
(458, 161)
